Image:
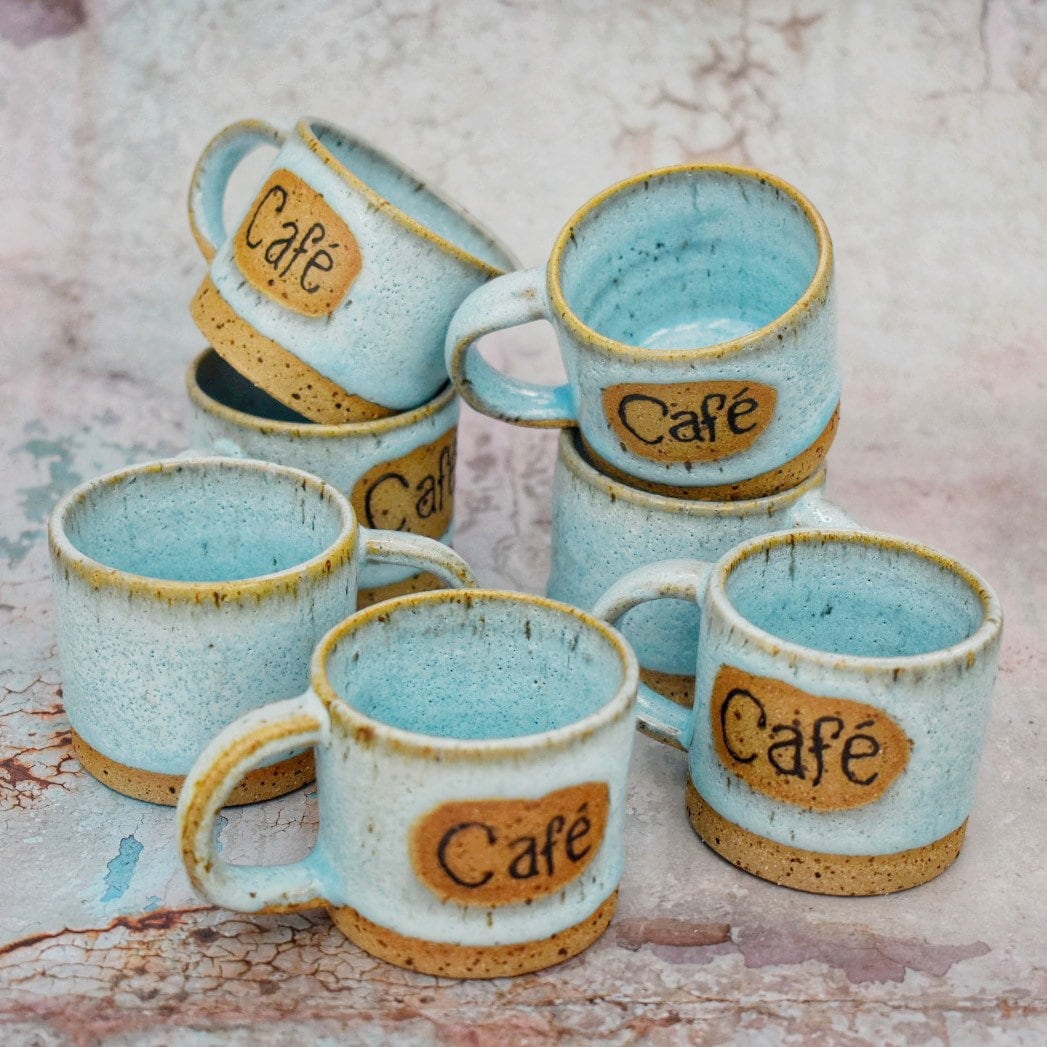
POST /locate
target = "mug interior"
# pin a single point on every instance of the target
(406, 191)
(688, 258)
(476, 666)
(225, 385)
(848, 596)
(209, 520)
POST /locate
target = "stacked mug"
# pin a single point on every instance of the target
(471, 746)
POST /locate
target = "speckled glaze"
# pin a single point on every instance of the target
(459, 704)
(820, 636)
(378, 334)
(230, 415)
(694, 311)
(602, 529)
(189, 591)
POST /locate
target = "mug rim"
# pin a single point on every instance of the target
(305, 428)
(305, 130)
(369, 730)
(817, 287)
(574, 459)
(237, 590)
(769, 643)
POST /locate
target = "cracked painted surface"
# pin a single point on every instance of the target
(919, 132)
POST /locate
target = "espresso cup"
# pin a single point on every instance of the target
(397, 472)
(694, 312)
(602, 529)
(335, 291)
(189, 591)
(842, 693)
(472, 751)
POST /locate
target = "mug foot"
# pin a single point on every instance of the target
(417, 583)
(815, 871)
(678, 687)
(265, 783)
(473, 961)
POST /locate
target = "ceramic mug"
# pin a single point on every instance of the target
(335, 291)
(694, 311)
(843, 687)
(472, 751)
(602, 529)
(188, 591)
(397, 472)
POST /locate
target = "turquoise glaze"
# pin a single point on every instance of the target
(853, 616)
(187, 592)
(694, 274)
(421, 701)
(421, 255)
(230, 415)
(603, 529)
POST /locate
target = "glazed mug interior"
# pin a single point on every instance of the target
(699, 258)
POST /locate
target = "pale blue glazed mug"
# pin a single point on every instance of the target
(189, 591)
(694, 310)
(335, 291)
(842, 694)
(397, 472)
(472, 753)
(603, 528)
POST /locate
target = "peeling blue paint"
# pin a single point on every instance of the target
(222, 822)
(152, 903)
(121, 868)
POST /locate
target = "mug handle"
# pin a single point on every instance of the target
(415, 550)
(509, 300)
(244, 745)
(657, 715)
(211, 177)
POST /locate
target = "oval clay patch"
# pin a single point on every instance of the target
(501, 852)
(825, 754)
(412, 493)
(689, 421)
(294, 248)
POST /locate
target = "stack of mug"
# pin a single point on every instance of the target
(471, 746)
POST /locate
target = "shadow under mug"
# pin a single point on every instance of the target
(335, 291)
(472, 754)
(843, 686)
(397, 472)
(189, 591)
(603, 528)
(694, 311)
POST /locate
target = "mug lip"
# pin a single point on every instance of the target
(238, 590)
(367, 729)
(817, 287)
(312, 140)
(306, 429)
(755, 637)
(574, 459)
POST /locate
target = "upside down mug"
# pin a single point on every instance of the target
(397, 472)
(603, 528)
(335, 291)
(189, 591)
(694, 311)
(842, 693)
(472, 751)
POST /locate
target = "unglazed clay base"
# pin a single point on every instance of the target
(473, 961)
(775, 481)
(263, 784)
(676, 686)
(417, 583)
(273, 368)
(817, 872)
